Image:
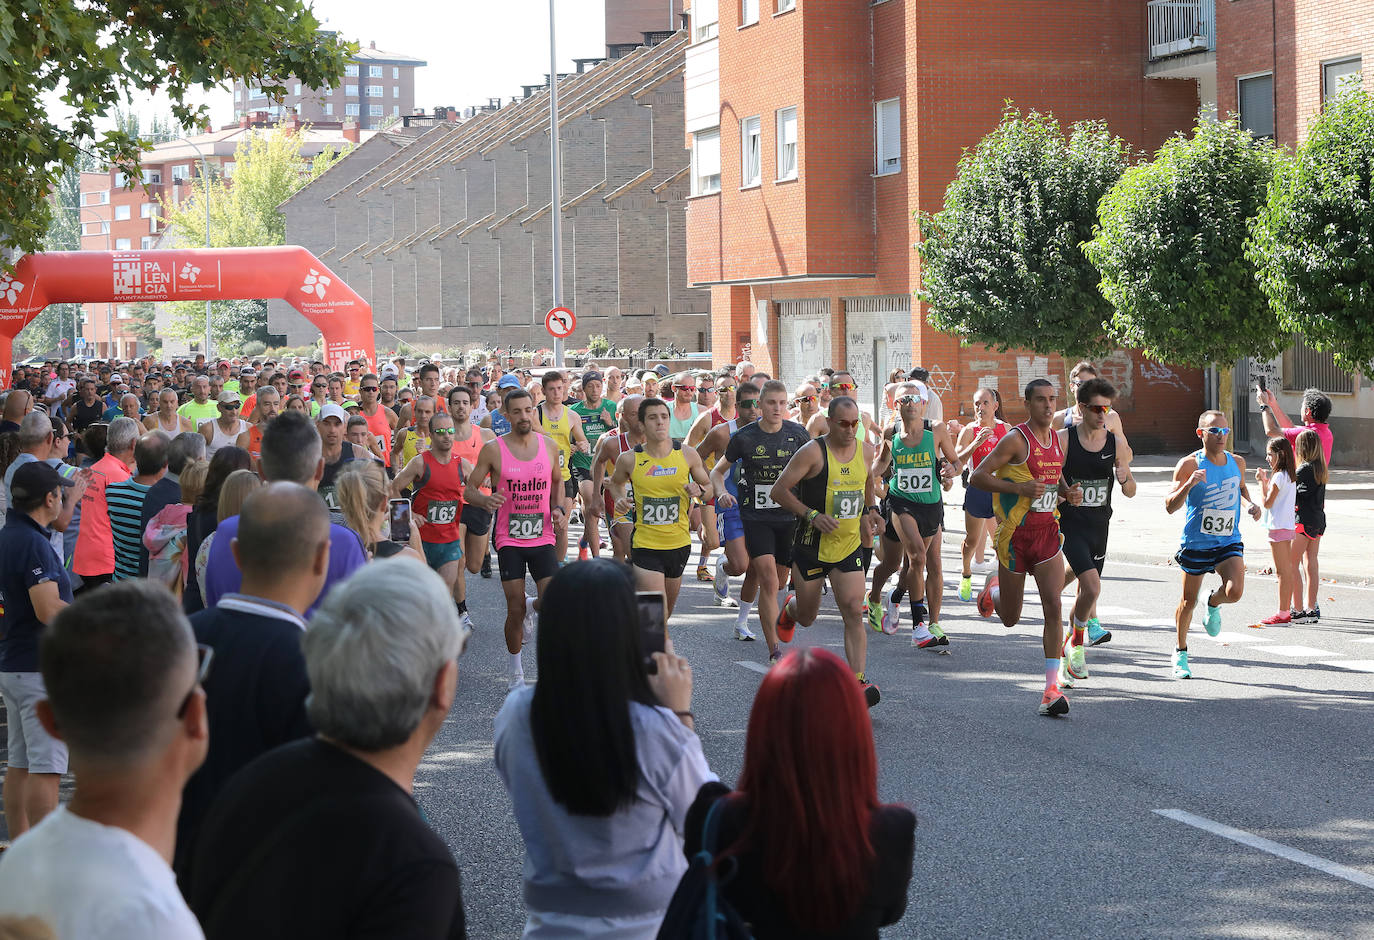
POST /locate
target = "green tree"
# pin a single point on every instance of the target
(1002, 262)
(94, 54)
(1171, 248)
(1313, 241)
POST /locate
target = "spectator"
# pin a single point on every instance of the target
(364, 498)
(95, 558)
(204, 517)
(256, 698)
(34, 586)
(123, 690)
(816, 854)
(124, 501)
(38, 441)
(322, 837)
(290, 452)
(601, 762)
(17, 404)
(186, 448)
(88, 407)
(1316, 411)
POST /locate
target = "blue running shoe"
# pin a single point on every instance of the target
(1213, 622)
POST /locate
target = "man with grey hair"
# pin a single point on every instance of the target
(291, 452)
(124, 502)
(185, 449)
(36, 441)
(94, 558)
(322, 837)
(123, 692)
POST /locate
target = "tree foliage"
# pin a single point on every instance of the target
(1171, 248)
(96, 53)
(1002, 262)
(1313, 241)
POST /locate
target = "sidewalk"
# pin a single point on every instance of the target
(1143, 532)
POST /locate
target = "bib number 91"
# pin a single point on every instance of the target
(847, 504)
(526, 525)
(661, 510)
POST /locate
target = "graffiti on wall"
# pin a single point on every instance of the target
(1157, 373)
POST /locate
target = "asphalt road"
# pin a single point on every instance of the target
(1032, 826)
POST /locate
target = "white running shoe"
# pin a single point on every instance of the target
(466, 619)
(984, 567)
(892, 614)
(742, 632)
(515, 681)
(721, 584)
(531, 616)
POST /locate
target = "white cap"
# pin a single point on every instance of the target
(331, 410)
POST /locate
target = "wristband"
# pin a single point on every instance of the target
(874, 508)
(811, 516)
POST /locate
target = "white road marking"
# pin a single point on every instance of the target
(1106, 610)
(1237, 638)
(1146, 622)
(1299, 651)
(1353, 875)
(1368, 639)
(760, 668)
(1363, 665)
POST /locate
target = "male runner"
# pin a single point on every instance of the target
(834, 498)
(630, 433)
(381, 420)
(805, 404)
(525, 476)
(1022, 474)
(916, 503)
(1211, 483)
(763, 450)
(563, 425)
(597, 416)
(666, 476)
(734, 560)
(474, 525)
(438, 475)
(166, 418)
(269, 402)
(721, 413)
(334, 452)
(413, 440)
(200, 408)
(1092, 460)
(841, 385)
(1067, 418)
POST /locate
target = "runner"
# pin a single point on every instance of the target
(598, 417)
(721, 413)
(166, 418)
(1022, 473)
(474, 525)
(409, 441)
(200, 408)
(381, 420)
(224, 431)
(762, 450)
(334, 451)
(565, 428)
(438, 475)
(630, 434)
(1211, 483)
(976, 441)
(916, 504)
(840, 385)
(269, 403)
(734, 560)
(1091, 460)
(805, 404)
(525, 476)
(665, 476)
(827, 485)
(1082, 372)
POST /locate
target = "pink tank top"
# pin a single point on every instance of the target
(525, 519)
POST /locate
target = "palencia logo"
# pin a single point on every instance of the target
(10, 288)
(189, 272)
(315, 283)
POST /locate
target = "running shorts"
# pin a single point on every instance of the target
(475, 519)
(810, 567)
(439, 554)
(570, 488)
(1197, 561)
(929, 516)
(540, 560)
(770, 537)
(670, 561)
(728, 525)
(1085, 547)
(1021, 548)
(1310, 531)
(581, 474)
(978, 503)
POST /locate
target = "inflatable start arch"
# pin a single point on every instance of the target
(288, 272)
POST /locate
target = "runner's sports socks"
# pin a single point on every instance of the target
(1078, 629)
(745, 607)
(1051, 672)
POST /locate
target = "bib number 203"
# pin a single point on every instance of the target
(526, 525)
(661, 510)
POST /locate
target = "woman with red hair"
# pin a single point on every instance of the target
(814, 852)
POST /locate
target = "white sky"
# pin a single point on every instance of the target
(476, 49)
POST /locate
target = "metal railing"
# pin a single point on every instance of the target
(1178, 27)
(1305, 367)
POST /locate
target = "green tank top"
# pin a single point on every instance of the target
(914, 469)
(594, 425)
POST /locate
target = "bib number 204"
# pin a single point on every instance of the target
(526, 525)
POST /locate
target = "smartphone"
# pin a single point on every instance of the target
(400, 520)
(653, 626)
(1259, 383)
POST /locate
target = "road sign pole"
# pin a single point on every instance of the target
(556, 197)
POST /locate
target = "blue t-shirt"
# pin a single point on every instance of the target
(125, 503)
(222, 574)
(27, 559)
(1213, 506)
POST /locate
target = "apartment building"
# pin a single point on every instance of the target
(817, 129)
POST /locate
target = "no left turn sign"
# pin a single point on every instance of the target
(560, 322)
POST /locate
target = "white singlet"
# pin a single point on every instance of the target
(224, 440)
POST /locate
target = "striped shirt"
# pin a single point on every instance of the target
(125, 502)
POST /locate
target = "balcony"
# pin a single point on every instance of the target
(1181, 27)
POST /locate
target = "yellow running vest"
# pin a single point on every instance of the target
(560, 430)
(842, 498)
(661, 501)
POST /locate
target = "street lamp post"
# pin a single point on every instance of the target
(556, 206)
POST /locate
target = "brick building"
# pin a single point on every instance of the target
(818, 129)
(449, 236)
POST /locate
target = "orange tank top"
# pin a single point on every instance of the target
(467, 450)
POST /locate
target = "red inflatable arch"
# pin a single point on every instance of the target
(288, 272)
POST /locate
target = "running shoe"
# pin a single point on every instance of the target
(742, 632)
(929, 637)
(1097, 633)
(727, 601)
(466, 619)
(1281, 619)
(1213, 622)
(1314, 615)
(1181, 670)
(984, 567)
(892, 614)
(1074, 661)
(774, 656)
(515, 681)
(1053, 703)
(584, 551)
(787, 625)
(871, 694)
(704, 573)
(985, 604)
(1066, 680)
(531, 615)
(918, 612)
(875, 614)
(721, 582)
(486, 567)
(966, 588)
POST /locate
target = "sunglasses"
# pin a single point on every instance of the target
(1099, 409)
(441, 431)
(1219, 432)
(748, 403)
(684, 388)
(851, 425)
(798, 401)
(844, 386)
(368, 388)
(204, 656)
(909, 399)
(229, 406)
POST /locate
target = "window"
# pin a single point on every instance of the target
(1305, 367)
(298, 89)
(121, 181)
(706, 162)
(146, 242)
(750, 163)
(1340, 77)
(329, 108)
(122, 244)
(255, 93)
(123, 312)
(98, 198)
(374, 110)
(704, 17)
(787, 144)
(395, 71)
(395, 91)
(887, 135)
(351, 108)
(147, 211)
(396, 110)
(374, 91)
(351, 91)
(121, 213)
(351, 70)
(152, 177)
(785, 5)
(1256, 98)
(181, 172)
(748, 12)
(374, 71)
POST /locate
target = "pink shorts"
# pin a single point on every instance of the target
(1281, 535)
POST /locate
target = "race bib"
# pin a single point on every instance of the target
(562, 458)
(846, 504)
(381, 442)
(441, 512)
(1094, 493)
(1046, 501)
(661, 510)
(526, 525)
(763, 498)
(1218, 522)
(915, 480)
(330, 497)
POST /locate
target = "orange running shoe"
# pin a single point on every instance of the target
(985, 604)
(787, 626)
(1053, 703)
